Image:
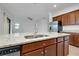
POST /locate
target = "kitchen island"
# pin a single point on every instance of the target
(55, 44)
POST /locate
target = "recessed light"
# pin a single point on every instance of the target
(55, 6)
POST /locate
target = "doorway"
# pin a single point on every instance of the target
(7, 25)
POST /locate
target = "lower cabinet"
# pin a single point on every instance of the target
(50, 50)
(51, 47)
(46, 51)
(66, 48)
(60, 47)
(38, 52)
(74, 39)
(71, 39)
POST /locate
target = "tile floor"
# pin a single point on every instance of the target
(73, 51)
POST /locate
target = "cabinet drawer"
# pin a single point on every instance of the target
(49, 42)
(38, 52)
(60, 39)
(36, 45)
(29, 47)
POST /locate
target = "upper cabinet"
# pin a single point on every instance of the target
(71, 18)
(77, 16)
(58, 18)
(65, 19)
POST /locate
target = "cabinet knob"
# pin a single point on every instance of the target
(42, 53)
(45, 51)
(44, 44)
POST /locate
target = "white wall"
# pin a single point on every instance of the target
(27, 26)
(1, 21)
(37, 12)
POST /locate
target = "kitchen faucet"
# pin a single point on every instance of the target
(35, 29)
(35, 26)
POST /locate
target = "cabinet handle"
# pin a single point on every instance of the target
(44, 44)
(42, 53)
(45, 51)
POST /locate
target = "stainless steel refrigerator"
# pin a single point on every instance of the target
(55, 26)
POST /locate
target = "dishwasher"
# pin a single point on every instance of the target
(10, 51)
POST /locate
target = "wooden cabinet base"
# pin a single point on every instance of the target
(60, 49)
(50, 50)
(51, 47)
(66, 48)
(38, 52)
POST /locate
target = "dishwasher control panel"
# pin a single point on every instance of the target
(8, 50)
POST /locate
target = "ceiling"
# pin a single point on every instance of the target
(23, 10)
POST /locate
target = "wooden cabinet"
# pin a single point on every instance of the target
(76, 39)
(58, 18)
(65, 19)
(36, 45)
(71, 39)
(32, 48)
(60, 49)
(38, 52)
(71, 18)
(50, 50)
(60, 46)
(63, 46)
(77, 16)
(50, 47)
(66, 48)
(54, 18)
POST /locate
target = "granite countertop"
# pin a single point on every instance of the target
(18, 39)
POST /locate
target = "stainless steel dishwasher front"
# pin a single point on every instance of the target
(10, 51)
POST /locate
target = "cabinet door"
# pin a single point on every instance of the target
(76, 40)
(38, 52)
(77, 16)
(50, 50)
(54, 18)
(58, 18)
(71, 18)
(60, 49)
(71, 37)
(66, 48)
(65, 19)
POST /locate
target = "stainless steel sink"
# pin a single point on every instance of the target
(35, 36)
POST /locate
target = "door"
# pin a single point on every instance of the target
(38, 52)
(50, 50)
(66, 48)
(60, 49)
(6, 25)
(77, 16)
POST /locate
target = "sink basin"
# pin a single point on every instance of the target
(35, 36)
